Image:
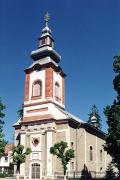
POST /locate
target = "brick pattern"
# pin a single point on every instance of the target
(27, 84)
(49, 82)
(63, 90)
(37, 110)
(38, 118)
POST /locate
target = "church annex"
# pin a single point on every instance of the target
(45, 120)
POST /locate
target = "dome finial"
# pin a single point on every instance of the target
(46, 18)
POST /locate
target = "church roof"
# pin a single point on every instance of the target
(8, 148)
(70, 116)
(17, 123)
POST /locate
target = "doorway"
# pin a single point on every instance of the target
(35, 171)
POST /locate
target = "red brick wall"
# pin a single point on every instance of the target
(27, 84)
(49, 82)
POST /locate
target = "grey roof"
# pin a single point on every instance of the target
(17, 122)
(71, 116)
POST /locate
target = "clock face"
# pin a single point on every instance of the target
(35, 141)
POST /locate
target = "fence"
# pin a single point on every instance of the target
(80, 174)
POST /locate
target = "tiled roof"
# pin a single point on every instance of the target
(8, 148)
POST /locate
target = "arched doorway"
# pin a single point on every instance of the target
(35, 171)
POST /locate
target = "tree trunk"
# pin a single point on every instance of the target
(18, 172)
(65, 177)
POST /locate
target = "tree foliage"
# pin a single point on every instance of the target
(2, 141)
(19, 155)
(110, 174)
(95, 112)
(112, 145)
(63, 153)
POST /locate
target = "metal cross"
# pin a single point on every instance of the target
(46, 18)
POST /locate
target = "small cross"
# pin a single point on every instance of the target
(46, 18)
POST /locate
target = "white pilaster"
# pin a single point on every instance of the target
(49, 156)
(96, 153)
(85, 146)
(22, 166)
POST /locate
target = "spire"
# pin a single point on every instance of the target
(46, 36)
(46, 18)
(46, 44)
(94, 120)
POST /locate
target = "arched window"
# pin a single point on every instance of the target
(101, 155)
(91, 153)
(57, 91)
(37, 88)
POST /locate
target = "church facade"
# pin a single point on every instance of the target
(46, 122)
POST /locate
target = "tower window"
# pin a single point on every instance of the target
(91, 153)
(51, 43)
(72, 166)
(6, 159)
(72, 145)
(101, 155)
(57, 91)
(37, 88)
(42, 41)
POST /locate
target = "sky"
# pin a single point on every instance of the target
(87, 36)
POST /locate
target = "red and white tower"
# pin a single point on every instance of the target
(44, 84)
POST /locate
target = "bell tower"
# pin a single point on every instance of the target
(44, 82)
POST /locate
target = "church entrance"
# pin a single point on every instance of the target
(35, 171)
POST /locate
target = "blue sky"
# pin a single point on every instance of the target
(87, 35)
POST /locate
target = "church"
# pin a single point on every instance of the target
(45, 120)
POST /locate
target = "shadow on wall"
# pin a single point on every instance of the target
(85, 173)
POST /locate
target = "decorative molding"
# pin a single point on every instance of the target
(43, 102)
(38, 118)
(35, 141)
(37, 110)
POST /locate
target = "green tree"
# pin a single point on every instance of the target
(2, 141)
(112, 145)
(95, 112)
(63, 154)
(19, 156)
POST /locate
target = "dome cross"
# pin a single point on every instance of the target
(46, 18)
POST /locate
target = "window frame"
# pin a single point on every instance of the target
(5, 159)
(91, 153)
(40, 90)
(57, 91)
(101, 155)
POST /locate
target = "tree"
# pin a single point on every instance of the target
(112, 145)
(95, 112)
(110, 174)
(63, 154)
(19, 156)
(2, 141)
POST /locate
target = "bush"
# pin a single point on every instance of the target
(4, 174)
(110, 174)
